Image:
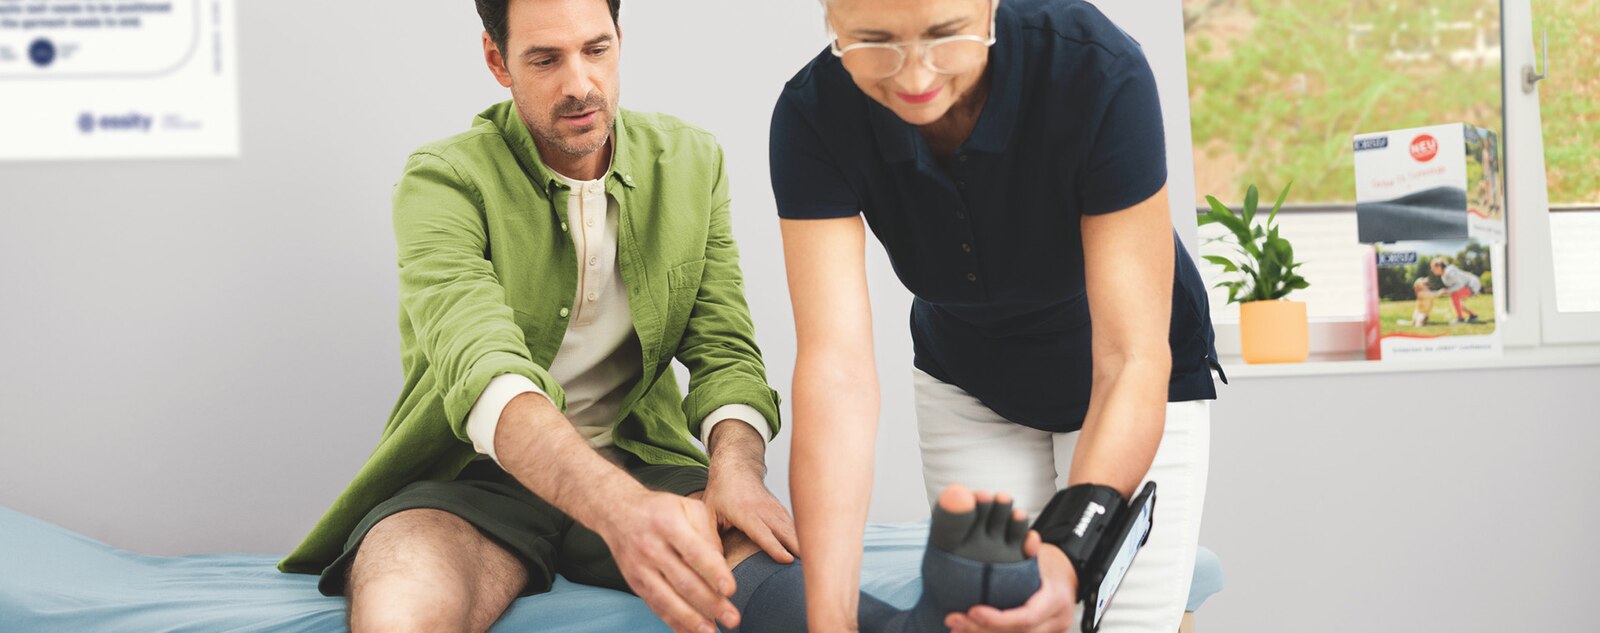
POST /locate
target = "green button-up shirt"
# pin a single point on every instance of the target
(487, 276)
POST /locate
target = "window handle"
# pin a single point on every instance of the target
(1531, 75)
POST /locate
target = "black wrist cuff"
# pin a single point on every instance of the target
(1079, 520)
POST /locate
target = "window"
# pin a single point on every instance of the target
(1569, 100)
(1279, 87)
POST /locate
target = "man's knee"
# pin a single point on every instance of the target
(736, 547)
(429, 570)
(421, 536)
(408, 617)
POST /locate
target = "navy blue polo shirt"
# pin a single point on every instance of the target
(989, 242)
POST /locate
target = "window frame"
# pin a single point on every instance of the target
(1531, 245)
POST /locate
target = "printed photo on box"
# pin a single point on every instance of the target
(1433, 297)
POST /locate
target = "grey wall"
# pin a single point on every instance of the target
(1448, 501)
(197, 355)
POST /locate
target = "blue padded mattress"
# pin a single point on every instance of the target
(52, 579)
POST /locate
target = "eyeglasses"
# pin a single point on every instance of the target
(951, 55)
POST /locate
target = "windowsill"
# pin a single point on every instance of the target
(1356, 363)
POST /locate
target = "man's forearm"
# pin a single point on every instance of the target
(738, 449)
(538, 446)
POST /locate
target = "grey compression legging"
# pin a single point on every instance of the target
(972, 558)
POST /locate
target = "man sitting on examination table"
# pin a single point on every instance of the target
(554, 260)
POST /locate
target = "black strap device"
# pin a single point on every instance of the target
(1100, 533)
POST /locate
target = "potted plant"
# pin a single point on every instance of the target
(1271, 329)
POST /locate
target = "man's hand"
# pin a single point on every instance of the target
(1050, 609)
(738, 497)
(668, 550)
(665, 545)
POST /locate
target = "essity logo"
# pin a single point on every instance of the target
(42, 51)
(1424, 148)
(131, 122)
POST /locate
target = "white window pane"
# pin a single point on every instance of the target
(1334, 261)
(1575, 245)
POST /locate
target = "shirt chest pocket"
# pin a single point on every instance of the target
(683, 285)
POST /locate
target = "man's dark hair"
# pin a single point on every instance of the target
(493, 13)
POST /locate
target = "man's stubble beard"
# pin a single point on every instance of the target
(550, 135)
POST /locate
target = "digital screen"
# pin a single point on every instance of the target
(1123, 559)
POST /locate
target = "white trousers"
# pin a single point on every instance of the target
(965, 442)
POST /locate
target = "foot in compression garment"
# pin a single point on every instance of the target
(974, 556)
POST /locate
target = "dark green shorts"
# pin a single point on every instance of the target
(545, 539)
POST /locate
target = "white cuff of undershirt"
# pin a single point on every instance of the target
(742, 412)
(484, 417)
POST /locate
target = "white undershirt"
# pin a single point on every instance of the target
(599, 360)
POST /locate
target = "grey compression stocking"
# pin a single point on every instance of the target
(972, 558)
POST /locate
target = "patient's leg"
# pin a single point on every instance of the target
(974, 556)
(428, 570)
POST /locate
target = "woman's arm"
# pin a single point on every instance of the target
(1127, 257)
(1128, 270)
(835, 410)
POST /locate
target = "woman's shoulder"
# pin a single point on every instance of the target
(1074, 28)
(821, 81)
(821, 98)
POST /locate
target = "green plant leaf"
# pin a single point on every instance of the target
(1241, 233)
(1255, 283)
(1270, 269)
(1286, 254)
(1274, 215)
(1217, 207)
(1251, 197)
(1227, 264)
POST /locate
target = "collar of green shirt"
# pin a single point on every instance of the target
(506, 117)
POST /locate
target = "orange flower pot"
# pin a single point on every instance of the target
(1274, 332)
